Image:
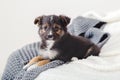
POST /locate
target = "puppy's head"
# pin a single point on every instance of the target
(52, 27)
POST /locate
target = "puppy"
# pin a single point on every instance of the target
(58, 44)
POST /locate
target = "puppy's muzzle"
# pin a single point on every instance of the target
(50, 36)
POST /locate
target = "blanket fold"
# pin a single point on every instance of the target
(89, 28)
(81, 24)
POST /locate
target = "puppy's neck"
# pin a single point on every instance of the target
(47, 52)
(47, 44)
(50, 43)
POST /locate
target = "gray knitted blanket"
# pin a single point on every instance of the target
(89, 28)
(14, 68)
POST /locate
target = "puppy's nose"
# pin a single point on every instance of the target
(50, 36)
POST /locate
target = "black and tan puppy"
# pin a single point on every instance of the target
(58, 44)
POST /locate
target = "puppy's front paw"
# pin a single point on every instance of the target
(40, 63)
(26, 66)
(32, 67)
(43, 62)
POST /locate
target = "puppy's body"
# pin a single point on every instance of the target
(69, 46)
(58, 44)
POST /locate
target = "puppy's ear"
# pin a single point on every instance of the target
(38, 20)
(65, 20)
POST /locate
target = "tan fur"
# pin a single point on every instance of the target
(59, 32)
(35, 59)
(46, 24)
(56, 25)
(43, 62)
(42, 31)
(39, 60)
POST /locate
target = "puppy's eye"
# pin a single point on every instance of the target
(56, 28)
(45, 27)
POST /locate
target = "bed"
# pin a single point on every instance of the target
(104, 67)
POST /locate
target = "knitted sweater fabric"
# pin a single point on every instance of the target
(82, 24)
(91, 28)
(14, 67)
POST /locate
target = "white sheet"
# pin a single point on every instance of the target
(104, 67)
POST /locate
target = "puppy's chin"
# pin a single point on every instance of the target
(50, 39)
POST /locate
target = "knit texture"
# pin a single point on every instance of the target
(89, 28)
(14, 68)
(81, 24)
(97, 36)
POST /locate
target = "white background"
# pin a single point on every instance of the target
(17, 16)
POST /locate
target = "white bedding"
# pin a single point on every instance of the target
(104, 67)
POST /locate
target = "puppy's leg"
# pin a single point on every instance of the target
(40, 63)
(33, 61)
(94, 50)
(43, 62)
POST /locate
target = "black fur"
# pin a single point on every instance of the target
(70, 46)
